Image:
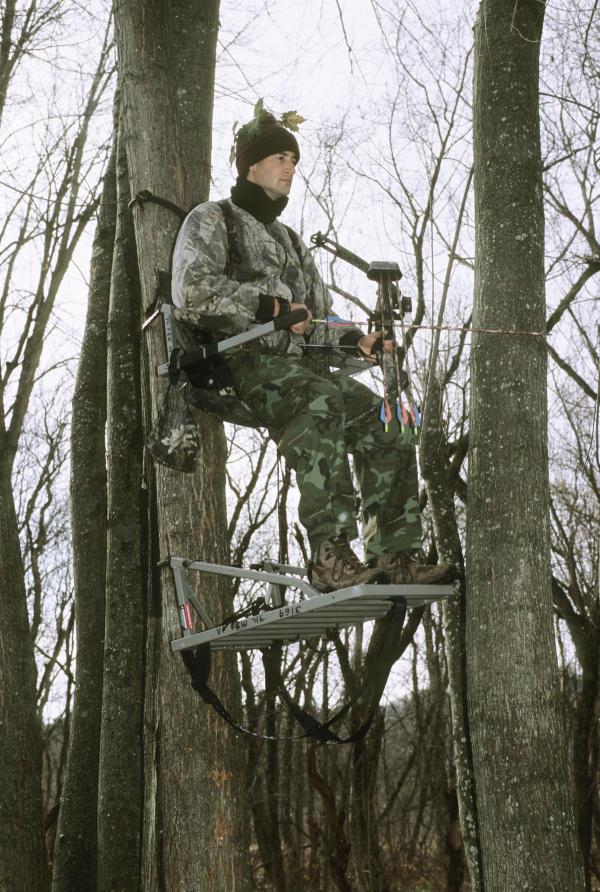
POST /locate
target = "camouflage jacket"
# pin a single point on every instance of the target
(268, 264)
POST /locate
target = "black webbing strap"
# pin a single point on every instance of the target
(145, 195)
(197, 662)
(162, 290)
(320, 731)
(234, 258)
(296, 244)
(374, 682)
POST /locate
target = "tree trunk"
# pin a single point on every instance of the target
(441, 784)
(585, 748)
(75, 855)
(366, 848)
(120, 780)
(527, 828)
(194, 784)
(23, 862)
(433, 463)
(272, 782)
(586, 768)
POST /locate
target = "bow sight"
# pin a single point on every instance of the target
(377, 271)
(391, 307)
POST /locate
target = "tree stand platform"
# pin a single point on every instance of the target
(272, 620)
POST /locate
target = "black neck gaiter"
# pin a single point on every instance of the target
(254, 199)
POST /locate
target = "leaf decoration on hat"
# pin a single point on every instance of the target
(262, 119)
(292, 120)
(232, 152)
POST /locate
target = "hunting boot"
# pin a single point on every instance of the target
(402, 569)
(335, 565)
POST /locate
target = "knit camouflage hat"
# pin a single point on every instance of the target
(264, 135)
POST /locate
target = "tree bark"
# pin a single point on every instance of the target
(75, 854)
(441, 784)
(366, 847)
(525, 809)
(194, 785)
(433, 463)
(584, 634)
(585, 751)
(23, 863)
(120, 781)
(272, 781)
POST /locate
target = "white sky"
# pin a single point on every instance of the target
(294, 56)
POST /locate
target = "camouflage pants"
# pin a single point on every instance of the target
(316, 422)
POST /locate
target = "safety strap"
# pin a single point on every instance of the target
(296, 243)
(234, 258)
(146, 195)
(197, 663)
(198, 660)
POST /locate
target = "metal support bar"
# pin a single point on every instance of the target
(208, 622)
(241, 573)
(167, 314)
(276, 592)
(274, 567)
(244, 337)
(184, 598)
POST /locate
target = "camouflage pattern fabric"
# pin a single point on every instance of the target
(174, 439)
(268, 264)
(316, 422)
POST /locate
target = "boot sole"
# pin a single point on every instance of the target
(381, 578)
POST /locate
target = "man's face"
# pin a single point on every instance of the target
(274, 174)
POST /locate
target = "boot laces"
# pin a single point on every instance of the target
(405, 563)
(401, 563)
(346, 556)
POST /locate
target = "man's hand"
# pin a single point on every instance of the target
(367, 342)
(301, 327)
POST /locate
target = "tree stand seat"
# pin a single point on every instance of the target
(271, 620)
(199, 378)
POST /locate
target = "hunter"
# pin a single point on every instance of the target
(315, 419)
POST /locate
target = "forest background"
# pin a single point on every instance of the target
(387, 170)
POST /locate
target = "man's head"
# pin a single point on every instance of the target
(266, 153)
(274, 174)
